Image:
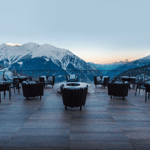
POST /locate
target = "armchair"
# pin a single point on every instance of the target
(101, 80)
(47, 80)
(72, 78)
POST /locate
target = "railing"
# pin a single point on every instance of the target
(84, 75)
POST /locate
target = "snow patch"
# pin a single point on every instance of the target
(46, 59)
(20, 63)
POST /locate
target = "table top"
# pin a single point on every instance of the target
(75, 85)
(120, 82)
(30, 82)
(4, 82)
(128, 77)
(19, 77)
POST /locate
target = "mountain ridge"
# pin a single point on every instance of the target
(32, 56)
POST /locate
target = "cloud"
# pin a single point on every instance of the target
(11, 44)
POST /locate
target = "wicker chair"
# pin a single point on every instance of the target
(139, 85)
(48, 81)
(74, 97)
(147, 90)
(103, 81)
(119, 89)
(15, 85)
(32, 90)
(68, 79)
(5, 87)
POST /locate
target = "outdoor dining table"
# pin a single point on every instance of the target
(21, 78)
(5, 86)
(129, 79)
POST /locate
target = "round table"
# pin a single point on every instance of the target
(21, 78)
(129, 79)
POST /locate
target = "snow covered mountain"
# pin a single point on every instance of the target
(32, 56)
(130, 65)
(109, 66)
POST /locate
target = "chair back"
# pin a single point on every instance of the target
(95, 80)
(74, 97)
(41, 79)
(53, 79)
(71, 80)
(30, 78)
(106, 80)
(15, 83)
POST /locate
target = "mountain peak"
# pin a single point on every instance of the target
(147, 57)
(2, 45)
(30, 44)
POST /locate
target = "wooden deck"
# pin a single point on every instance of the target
(102, 124)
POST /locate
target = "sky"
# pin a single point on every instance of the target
(99, 31)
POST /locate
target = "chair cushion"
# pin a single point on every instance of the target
(44, 78)
(50, 79)
(104, 77)
(100, 82)
(98, 78)
(72, 77)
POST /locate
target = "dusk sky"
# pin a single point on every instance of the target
(100, 31)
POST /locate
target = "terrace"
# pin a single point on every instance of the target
(103, 123)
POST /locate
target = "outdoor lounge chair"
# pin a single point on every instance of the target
(47, 80)
(74, 97)
(5, 87)
(72, 78)
(147, 90)
(118, 89)
(101, 80)
(32, 89)
(15, 85)
(139, 85)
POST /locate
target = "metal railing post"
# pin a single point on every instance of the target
(32, 73)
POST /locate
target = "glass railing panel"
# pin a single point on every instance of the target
(1, 75)
(83, 75)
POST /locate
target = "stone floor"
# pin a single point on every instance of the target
(102, 124)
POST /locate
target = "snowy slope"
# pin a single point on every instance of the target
(32, 56)
(63, 57)
(130, 65)
(14, 53)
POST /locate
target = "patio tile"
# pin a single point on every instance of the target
(142, 147)
(143, 135)
(95, 128)
(100, 145)
(39, 141)
(101, 136)
(43, 132)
